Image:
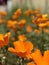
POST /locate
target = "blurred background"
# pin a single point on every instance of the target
(42, 4)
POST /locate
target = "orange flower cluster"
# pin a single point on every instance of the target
(22, 47)
(12, 24)
(31, 12)
(42, 21)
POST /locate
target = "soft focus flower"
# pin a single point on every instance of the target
(12, 24)
(21, 23)
(14, 17)
(29, 29)
(41, 19)
(22, 37)
(29, 12)
(17, 14)
(21, 49)
(4, 39)
(3, 13)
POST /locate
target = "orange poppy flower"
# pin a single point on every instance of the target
(17, 14)
(22, 37)
(40, 19)
(21, 48)
(3, 13)
(29, 29)
(39, 59)
(21, 23)
(4, 39)
(12, 24)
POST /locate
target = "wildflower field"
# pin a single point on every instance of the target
(24, 37)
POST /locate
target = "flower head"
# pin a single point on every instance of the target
(21, 23)
(21, 49)
(12, 24)
(17, 14)
(4, 39)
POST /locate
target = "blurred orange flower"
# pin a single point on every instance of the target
(3, 13)
(29, 29)
(22, 49)
(40, 19)
(4, 39)
(14, 17)
(22, 37)
(12, 24)
(29, 12)
(17, 14)
(21, 23)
